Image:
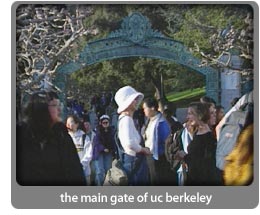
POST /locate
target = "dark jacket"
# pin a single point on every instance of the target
(103, 140)
(201, 160)
(49, 161)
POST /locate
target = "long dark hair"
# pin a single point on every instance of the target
(37, 113)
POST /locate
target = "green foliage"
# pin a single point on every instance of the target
(186, 94)
(188, 24)
(106, 18)
(141, 73)
(192, 24)
(184, 98)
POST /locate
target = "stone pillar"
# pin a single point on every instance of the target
(230, 88)
(230, 83)
(212, 85)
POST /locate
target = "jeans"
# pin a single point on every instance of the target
(136, 169)
(102, 165)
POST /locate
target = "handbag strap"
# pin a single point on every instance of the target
(121, 151)
(119, 148)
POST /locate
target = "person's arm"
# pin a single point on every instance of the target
(244, 99)
(126, 131)
(127, 137)
(71, 162)
(87, 157)
(163, 131)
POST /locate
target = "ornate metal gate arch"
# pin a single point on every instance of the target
(137, 38)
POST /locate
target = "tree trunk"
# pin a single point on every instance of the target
(159, 95)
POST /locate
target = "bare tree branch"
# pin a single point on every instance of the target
(45, 35)
(225, 40)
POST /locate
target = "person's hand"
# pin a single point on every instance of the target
(106, 150)
(179, 155)
(146, 151)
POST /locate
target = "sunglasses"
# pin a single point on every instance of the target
(105, 123)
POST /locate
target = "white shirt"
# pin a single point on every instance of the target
(87, 156)
(149, 132)
(77, 139)
(128, 135)
(186, 138)
(84, 151)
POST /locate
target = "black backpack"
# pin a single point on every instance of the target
(173, 144)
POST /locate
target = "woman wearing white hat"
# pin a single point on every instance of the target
(133, 156)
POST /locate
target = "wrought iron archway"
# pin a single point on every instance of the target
(137, 38)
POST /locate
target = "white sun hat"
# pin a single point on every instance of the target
(125, 96)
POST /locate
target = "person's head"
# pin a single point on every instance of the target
(72, 123)
(167, 113)
(150, 107)
(212, 114)
(86, 126)
(104, 121)
(220, 113)
(206, 99)
(198, 113)
(128, 99)
(44, 109)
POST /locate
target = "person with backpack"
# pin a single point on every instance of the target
(88, 138)
(131, 150)
(155, 133)
(245, 99)
(230, 127)
(176, 143)
(173, 122)
(172, 144)
(82, 143)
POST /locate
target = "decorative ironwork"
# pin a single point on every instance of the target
(136, 28)
(137, 38)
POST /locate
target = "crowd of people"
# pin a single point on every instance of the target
(74, 152)
(92, 110)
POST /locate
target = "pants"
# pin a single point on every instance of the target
(160, 172)
(102, 165)
(136, 169)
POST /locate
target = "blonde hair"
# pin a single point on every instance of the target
(201, 110)
(239, 163)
